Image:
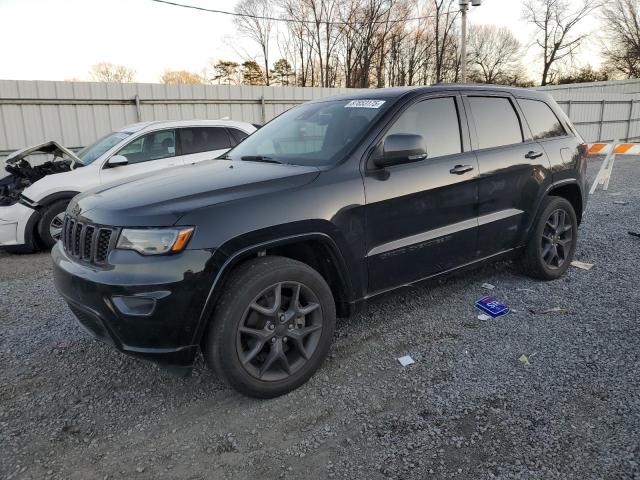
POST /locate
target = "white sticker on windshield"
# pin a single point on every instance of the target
(364, 104)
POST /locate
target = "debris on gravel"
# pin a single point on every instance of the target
(526, 395)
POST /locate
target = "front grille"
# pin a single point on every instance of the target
(87, 242)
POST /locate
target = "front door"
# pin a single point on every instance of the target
(145, 154)
(421, 217)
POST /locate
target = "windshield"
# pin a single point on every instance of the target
(92, 152)
(313, 134)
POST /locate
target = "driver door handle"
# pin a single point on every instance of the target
(533, 154)
(460, 169)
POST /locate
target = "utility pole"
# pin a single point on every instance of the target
(464, 8)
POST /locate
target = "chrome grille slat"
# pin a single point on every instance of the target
(86, 242)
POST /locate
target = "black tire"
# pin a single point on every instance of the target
(225, 345)
(50, 213)
(538, 259)
(21, 249)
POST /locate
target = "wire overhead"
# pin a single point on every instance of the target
(291, 20)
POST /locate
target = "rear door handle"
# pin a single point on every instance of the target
(533, 154)
(460, 169)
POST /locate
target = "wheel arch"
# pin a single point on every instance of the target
(54, 197)
(318, 250)
(32, 227)
(571, 192)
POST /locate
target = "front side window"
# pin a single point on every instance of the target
(436, 120)
(203, 139)
(152, 146)
(312, 134)
(496, 121)
(541, 119)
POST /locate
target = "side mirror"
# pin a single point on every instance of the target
(401, 148)
(117, 161)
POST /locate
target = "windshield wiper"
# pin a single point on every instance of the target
(259, 158)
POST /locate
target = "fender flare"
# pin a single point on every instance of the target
(559, 183)
(242, 253)
(54, 197)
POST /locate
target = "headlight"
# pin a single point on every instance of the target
(154, 241)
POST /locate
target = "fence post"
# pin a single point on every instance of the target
(262, 110)
(136, 99)
(601, 121)
(629, 121)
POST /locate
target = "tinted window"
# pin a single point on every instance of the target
(436, 120)
(152, 146)
(541, 119)
(203, 139)
(496, 121)
(238, 135)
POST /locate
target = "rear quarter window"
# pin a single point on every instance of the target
(541, 119)
(496, 121)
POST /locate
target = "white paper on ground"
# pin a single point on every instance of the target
(488, 286)
(582, 265)
(406, 360)
(482, 316)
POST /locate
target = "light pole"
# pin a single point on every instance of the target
(464, 7)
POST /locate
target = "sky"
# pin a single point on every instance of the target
(62, 39)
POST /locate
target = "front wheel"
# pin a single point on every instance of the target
(553, 239)
(50, 225)
(272, 327)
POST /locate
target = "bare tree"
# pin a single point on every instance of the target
(555, 22)
(181, 77)
(494, 54)
(621, 53)
(445, 39)
(257, 24)
(111, 73)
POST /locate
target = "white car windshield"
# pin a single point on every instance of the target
(313, 134)
(89, 154)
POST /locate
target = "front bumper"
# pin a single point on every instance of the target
(148, 307)
(15, 221)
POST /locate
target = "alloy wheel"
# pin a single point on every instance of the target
(55, 227)
(557, 239)
(279, 331)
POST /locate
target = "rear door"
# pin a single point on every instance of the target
(514, 169)
(421, 216)
(203, 143)
(147, 153)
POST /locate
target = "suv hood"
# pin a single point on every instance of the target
(162, 198)
(22, 174)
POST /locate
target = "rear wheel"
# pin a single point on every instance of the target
(50, 224)
(553, 242)
(272, 327)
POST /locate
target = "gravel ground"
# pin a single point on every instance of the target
(71, 407)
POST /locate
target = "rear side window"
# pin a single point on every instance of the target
(237, 135)
(496, 121)
(203, 139)
(541, 119)
(436, 119)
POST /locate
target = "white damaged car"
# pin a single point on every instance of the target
(33, 198)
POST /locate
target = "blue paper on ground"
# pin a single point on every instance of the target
(491, 307)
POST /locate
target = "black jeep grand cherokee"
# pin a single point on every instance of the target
(252, 256)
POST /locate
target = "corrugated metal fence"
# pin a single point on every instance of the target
(77, 113)
(601, 111)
